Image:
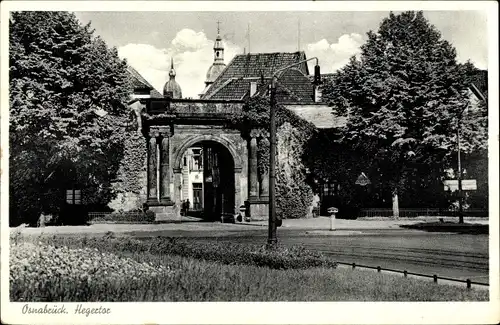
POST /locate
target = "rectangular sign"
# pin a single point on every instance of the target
(467, 185)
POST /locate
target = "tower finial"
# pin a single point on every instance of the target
(218, 27)
(172, 70)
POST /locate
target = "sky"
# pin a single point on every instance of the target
(149, 39)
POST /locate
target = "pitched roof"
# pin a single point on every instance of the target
(298, 85)
(322, 116)
(138, 82)
(233, 82)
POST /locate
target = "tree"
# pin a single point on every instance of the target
(67, 112)
(404, 97)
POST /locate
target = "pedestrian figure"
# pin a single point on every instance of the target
(187, 207)
(183, 207)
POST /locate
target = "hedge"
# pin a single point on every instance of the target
(280, 257)
(125, 217)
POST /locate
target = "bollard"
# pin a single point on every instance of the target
(468, 284)
(435, 278)
(332, 211)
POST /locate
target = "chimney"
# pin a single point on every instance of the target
(253, 88)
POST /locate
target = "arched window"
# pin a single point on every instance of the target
(217, 53)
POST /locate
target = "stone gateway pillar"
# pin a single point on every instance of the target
(264, 177)
(165, 168)
(159, 173)
(253, 179)
(258, 187)
(152, 170)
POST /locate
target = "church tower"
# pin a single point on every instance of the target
(172, 88)
(218, 66)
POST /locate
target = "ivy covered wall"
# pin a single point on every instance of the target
(130, 185)
(294, 193)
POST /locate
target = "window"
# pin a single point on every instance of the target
(185, 161)
(74, 196)
(197, 161)
(330, 189)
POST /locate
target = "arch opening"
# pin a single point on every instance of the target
(207, 186)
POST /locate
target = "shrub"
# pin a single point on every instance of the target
(125, 217)
(36, 267)
(281, 257)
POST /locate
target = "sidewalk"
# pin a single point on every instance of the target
(311, 225)
(323, 223)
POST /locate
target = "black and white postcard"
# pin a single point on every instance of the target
(249, 162)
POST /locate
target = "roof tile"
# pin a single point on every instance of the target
(252, 65)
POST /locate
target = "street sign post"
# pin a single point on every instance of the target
(467, 185)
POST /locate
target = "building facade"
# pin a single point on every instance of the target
(193, 152)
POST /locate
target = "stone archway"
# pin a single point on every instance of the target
(191, 140)
(233, 197)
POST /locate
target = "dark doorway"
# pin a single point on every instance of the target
(218, 181)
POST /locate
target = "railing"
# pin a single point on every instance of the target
(414, 213)
(405, 273)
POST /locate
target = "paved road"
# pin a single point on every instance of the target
(445, 254)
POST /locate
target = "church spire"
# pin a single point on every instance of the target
(218, 66)
(172, 73)
(218, 47)
(172, 88)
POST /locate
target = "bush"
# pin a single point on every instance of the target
(125, 217)
(280, 257)
(76, 271)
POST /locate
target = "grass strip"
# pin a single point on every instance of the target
(193, 279)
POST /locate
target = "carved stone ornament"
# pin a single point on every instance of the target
(162, 130)
(259, 133)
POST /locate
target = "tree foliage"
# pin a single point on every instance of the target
(61, 78)
(404, 97)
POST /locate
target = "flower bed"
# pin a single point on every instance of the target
(282, 257)
(40, 266)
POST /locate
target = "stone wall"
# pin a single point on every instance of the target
(202, 108)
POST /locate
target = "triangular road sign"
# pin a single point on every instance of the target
(363, 180)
